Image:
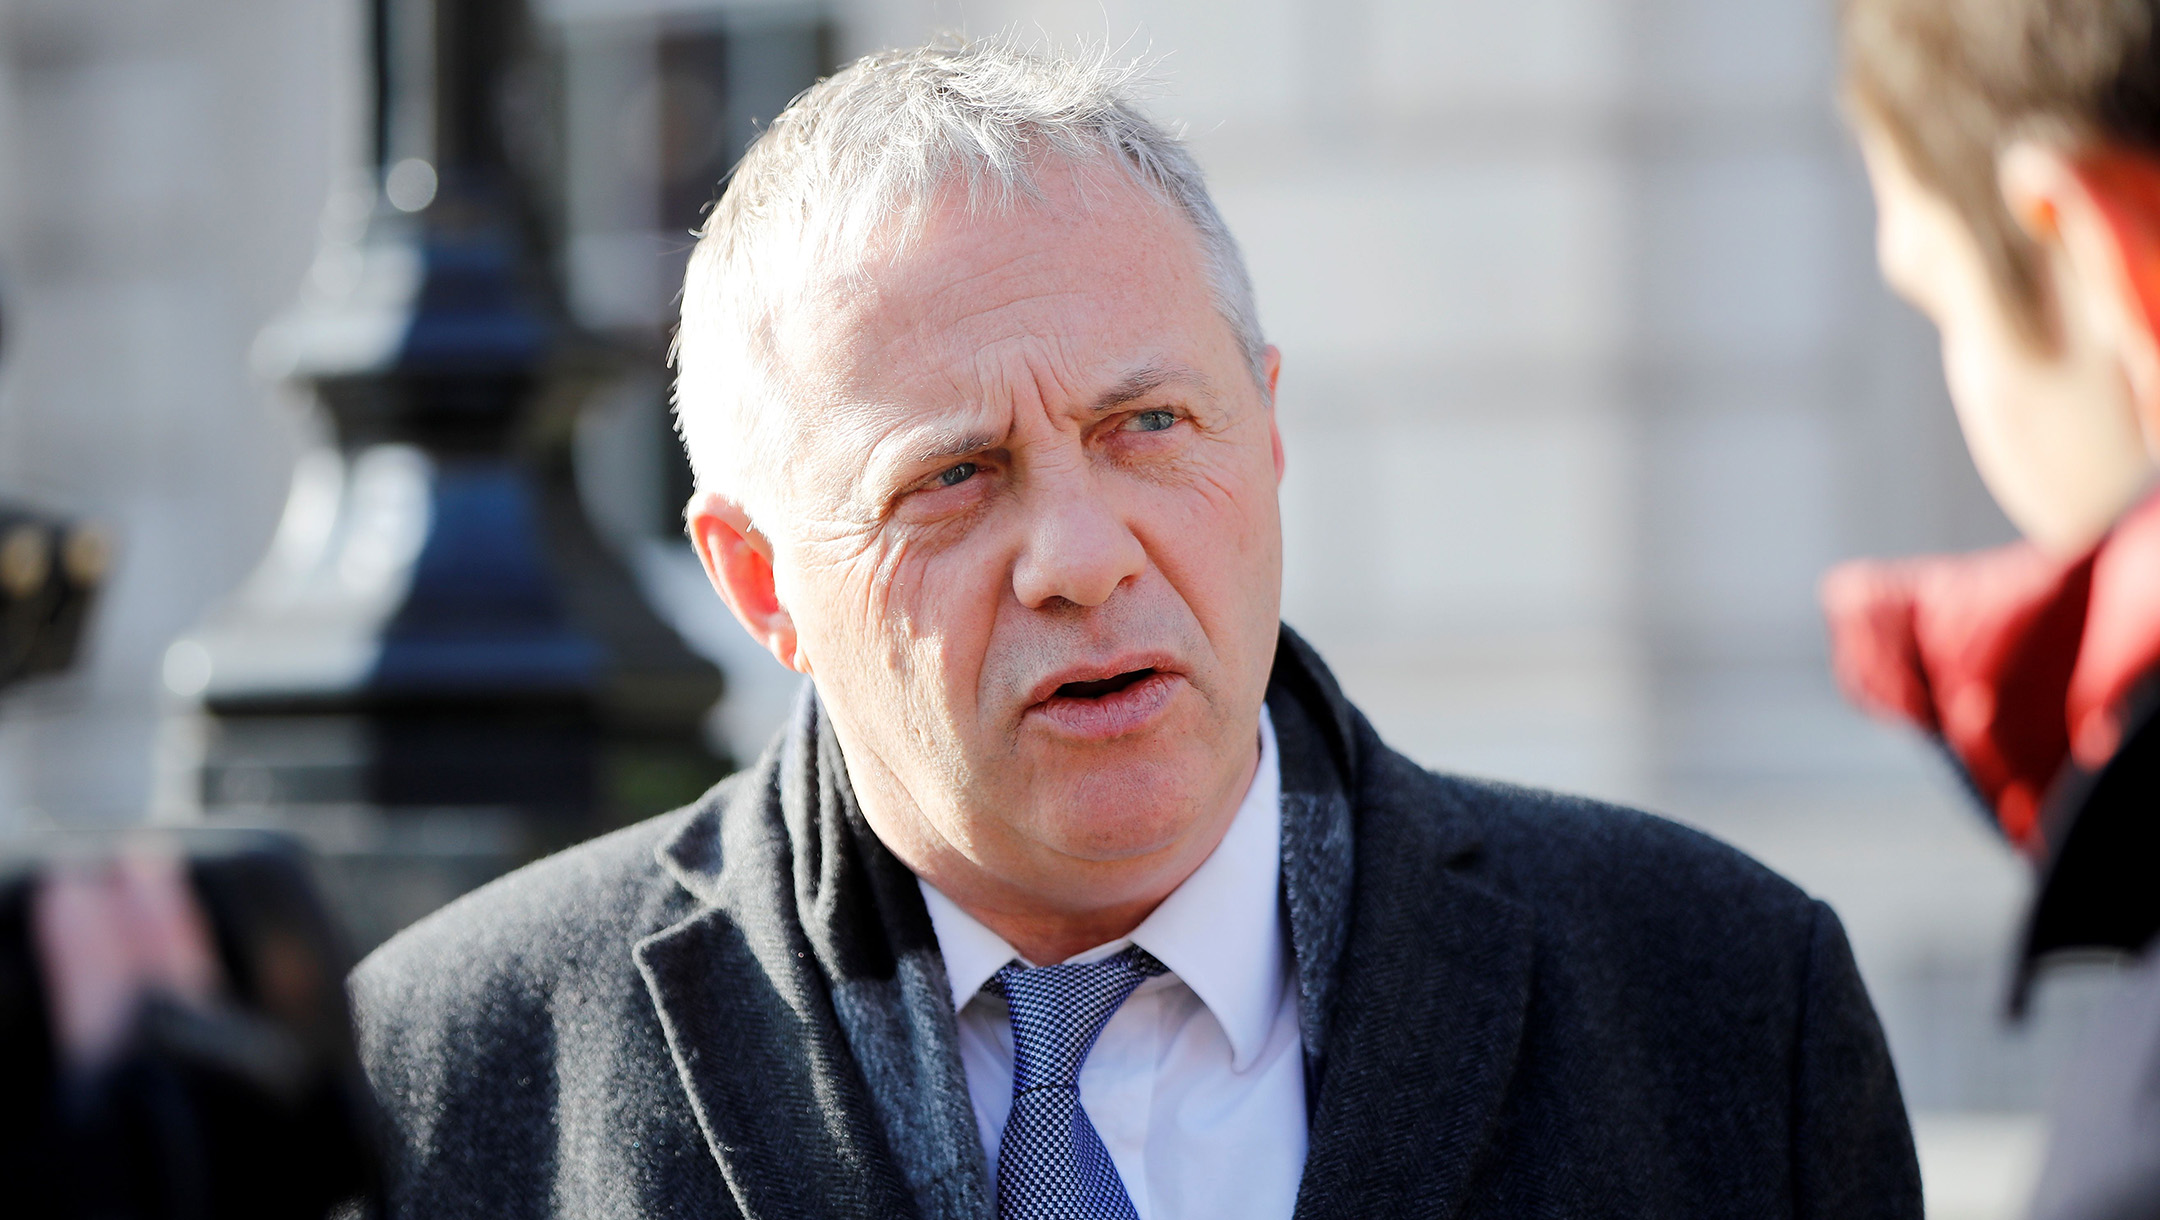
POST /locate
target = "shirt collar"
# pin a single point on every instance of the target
(1220, 932)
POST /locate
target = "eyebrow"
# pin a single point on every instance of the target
(1147, 379)
(1135, 385)
(952, 447)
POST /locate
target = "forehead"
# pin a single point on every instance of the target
(1079, 284)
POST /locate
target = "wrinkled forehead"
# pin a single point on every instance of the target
(1062, 289)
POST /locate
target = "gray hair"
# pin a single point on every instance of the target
(870, 146)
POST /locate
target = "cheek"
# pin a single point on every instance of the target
(1218, 538)
(944, 598)
(928, 617)
(841, 596)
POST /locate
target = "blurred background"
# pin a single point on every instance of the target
(1588, 375)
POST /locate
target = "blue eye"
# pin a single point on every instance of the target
(1154, 421)
(957, 475)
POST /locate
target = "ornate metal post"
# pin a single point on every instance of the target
(439, 669)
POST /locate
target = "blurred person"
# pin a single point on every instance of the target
(2014, 148)
(1076, 888)
(174, 1041)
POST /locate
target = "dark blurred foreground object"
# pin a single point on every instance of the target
(50, 571)
(440, 671)
(174, 1039)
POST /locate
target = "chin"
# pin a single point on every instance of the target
(1109, 809)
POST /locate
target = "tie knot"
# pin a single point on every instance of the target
(1058, 1011)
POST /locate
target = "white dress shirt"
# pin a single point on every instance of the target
(1197, 1084)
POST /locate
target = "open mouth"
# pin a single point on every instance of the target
(1101, 709)
(1104, 686)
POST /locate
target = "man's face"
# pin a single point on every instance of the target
(2052, 427)
(1029, 542)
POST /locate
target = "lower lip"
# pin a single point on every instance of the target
(1113, 715)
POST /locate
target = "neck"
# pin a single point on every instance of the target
(1049, 910)
(1046, 904)
(1044, 939)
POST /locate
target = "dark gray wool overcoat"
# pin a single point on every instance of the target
(1514, 1004)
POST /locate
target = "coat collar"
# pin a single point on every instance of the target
(810, 1020)
(1414, 976)
(2096, 893)
(1317, 760)
(1427, 1026)
(846, 1058)
(750, 1023)
(2025, 665)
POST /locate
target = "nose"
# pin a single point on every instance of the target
(1078, 548)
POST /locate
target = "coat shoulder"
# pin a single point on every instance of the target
(1605, 872)
(1569, 838)
(541, 926)
(515, 1053)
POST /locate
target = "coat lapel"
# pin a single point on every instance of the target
(865, 915)
(750, 1022)
(1426, 1028)
(1413, 978)
(1318, 865)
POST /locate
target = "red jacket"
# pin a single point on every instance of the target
(2041, 677)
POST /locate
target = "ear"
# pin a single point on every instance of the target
(1271, 361)
(738, 561)
(2096, 215)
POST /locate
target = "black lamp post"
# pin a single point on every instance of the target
(437, 632)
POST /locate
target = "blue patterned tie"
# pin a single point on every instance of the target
(1051, 1162)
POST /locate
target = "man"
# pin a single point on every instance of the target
(2014, 146)
(1076, 888)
